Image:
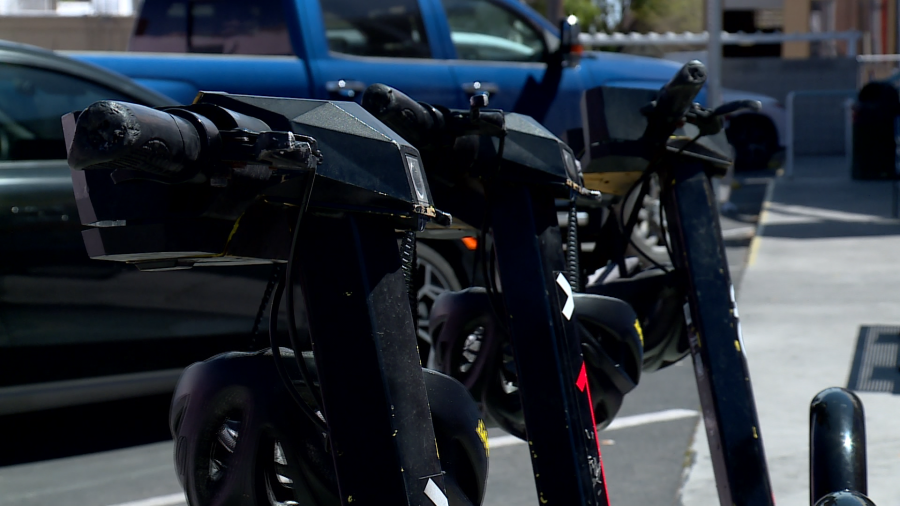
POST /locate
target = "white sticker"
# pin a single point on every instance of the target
(738, 322)
(687, 314)
(569, 306)
(734, 302)
(435, 493)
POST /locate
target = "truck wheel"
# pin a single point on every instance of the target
(434, 276)
(754, 140)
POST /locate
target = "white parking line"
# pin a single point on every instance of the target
(619, 423)
(647, 418)
(495, 442)
(162, 500)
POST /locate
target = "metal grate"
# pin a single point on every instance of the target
(876, 363)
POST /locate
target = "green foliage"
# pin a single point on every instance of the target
(663, 16)
(587, 11)
(636, 15)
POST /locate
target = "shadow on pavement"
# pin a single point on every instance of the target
(822, 201)
(827, 230)
(66, 432)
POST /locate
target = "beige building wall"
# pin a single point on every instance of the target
(796, 20)
(85, 33)
(848, 16)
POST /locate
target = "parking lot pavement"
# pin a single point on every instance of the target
(821, 275)
(116, 477)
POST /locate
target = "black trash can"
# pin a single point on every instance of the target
(874, 141)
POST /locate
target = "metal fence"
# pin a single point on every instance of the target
(701, 38)
(789, 134)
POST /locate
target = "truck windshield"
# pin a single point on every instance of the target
(483, 30)
(388, 28)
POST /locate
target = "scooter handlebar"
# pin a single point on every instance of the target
(111, 134)
(418, 123)
(676, 96)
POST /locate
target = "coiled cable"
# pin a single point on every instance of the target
(572, 246)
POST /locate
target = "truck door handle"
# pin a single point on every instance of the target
(344, 89)
(479, 87)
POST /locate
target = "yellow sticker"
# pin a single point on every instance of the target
(637, 326)
(483, 435)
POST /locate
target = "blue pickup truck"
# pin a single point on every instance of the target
(439, 51)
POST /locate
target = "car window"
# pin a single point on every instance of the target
(390, 28)
(32, 101)
(215, 26)
(483, 30)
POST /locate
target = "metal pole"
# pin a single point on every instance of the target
(714, 52)
(852, 42)
(848, 132)
(895, 191)
(789, 135)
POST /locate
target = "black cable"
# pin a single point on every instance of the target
(289, 279)
(487, 260)
(572, 245)
(408, 266)
(487, 271)
(279, 365)
(632, 220)
(643, 180)
(264, 303)
(662, 226)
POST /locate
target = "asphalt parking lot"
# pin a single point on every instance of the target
(119, 454)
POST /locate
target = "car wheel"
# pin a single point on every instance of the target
(434, 276)
(754, 141)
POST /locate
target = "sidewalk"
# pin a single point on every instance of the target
(826, 261)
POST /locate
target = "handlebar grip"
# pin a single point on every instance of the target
(676, 96)
(417, 123)
(111, 134)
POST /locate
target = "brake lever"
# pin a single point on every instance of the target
(478, 120)
(706, 120)
(711, 121)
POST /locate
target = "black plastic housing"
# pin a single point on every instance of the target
(226, 200)
(616, 155)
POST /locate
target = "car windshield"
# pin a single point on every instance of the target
(31, 102)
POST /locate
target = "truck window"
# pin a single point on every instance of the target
(389, 28)
(214, 26)
(483, 30)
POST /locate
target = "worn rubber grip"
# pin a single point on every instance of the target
(111, 134)
(676, 96)
(417, 123)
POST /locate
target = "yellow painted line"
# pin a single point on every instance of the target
(754, 248)
(763, 218)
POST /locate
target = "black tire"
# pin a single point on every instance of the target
(754, 139)
(434, 275)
